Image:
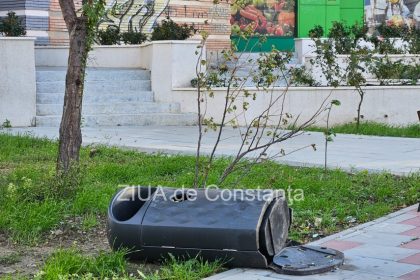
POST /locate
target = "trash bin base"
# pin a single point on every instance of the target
(228, 258)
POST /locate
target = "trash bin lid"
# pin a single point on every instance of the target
(306, 260)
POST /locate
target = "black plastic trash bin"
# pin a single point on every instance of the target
(246, 228)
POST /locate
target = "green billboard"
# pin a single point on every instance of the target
(325, 12)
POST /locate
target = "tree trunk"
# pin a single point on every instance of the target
(359, 107)
(70, 132)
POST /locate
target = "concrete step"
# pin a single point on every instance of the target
(54, 74)
(124, 120)
(112, 108)
(98, 87)
(112, 97)
(105, 97)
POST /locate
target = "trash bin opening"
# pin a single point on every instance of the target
(130, 201)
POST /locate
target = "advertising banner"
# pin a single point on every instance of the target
(392, 12)
(264, 17)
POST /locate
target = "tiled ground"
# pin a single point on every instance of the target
(396, 155)
(384, 249)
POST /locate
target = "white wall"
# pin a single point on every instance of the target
(173, 66)
(172, 63)
(304, 47)
(391, 104)
(17, 81)
(124, 56)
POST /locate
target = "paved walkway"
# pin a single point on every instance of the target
(396, 155)
(384, 249)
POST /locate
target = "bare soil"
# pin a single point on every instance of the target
(20, 260)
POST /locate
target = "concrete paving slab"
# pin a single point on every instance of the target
(366, 261)
(374, 266)
(224, 275)
(379, 238)
(380, 252)
(339, 274)
(349, 152)
(391, 228)
(401, 218)
(367, 276)
(245, 276)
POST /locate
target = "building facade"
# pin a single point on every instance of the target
(280, 20)
(34, 14)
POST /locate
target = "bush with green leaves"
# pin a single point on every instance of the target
(316, 32)
(132, 37)
(346, 37)
(11, 26)
(385, 39)
(110, 36)
(170, 30)
(351, 70)
(300, 76)
(396, 72)
(392, 31)
(363, 63)
(390, 71)
(414, 41)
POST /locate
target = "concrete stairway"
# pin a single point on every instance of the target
(112, 97)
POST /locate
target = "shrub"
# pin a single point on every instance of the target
(169, 30)
(12, 26)
(388, 71)
(346, 37)
(109, 36)
(316, 32)
(384, 40)
(392, 31)
(133, 37)
(341, 35)
(414, 41)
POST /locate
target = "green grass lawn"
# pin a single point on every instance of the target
(33, 202)
(376, 129)
(75, 265)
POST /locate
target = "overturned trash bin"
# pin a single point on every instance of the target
(245, 228)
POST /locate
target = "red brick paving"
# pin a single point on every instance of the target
(414, 259)
(415, 275)
(413, 221)
(341, 245)
(415, 244)
(412, 232)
